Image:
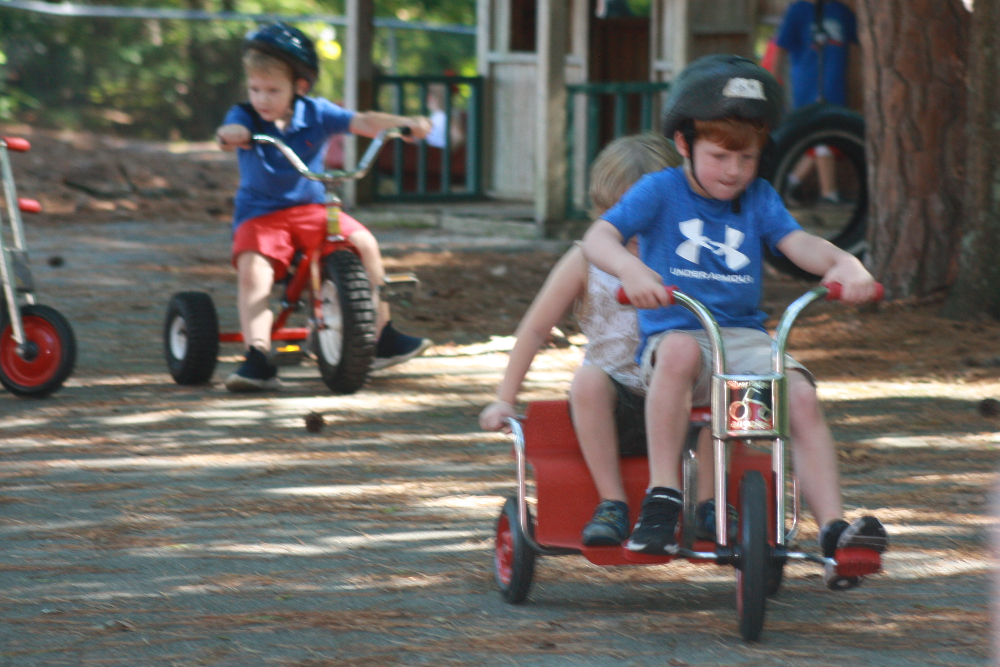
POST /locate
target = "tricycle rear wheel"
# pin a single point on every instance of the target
(513, 558)
(345, 347)
(52, 357)
(754, 556)
(191, 338)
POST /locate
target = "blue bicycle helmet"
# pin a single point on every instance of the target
(288, 44)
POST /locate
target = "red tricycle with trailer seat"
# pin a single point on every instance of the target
(328, 280)
(748, 416)
(37, 345)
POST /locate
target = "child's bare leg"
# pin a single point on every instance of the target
(814, 454)
(668, 406)
(255, 279)
(593, 399)
(706, 465)
(371, 259)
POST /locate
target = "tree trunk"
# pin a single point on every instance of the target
(976, 291)
(914, 56)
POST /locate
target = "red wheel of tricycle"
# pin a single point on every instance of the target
(51, 352)
(754, 558)
(513, 559)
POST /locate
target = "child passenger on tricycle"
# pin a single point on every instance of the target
(279, 212)
(701, 227)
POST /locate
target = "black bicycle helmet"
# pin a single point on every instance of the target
(723, 86)
(287, 44)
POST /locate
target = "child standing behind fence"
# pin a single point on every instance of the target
(278, 211)
(606, 398)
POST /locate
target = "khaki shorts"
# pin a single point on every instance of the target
(748, 352)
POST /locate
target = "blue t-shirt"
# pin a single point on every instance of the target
(268, 181)
(796, 36)
(702, 247)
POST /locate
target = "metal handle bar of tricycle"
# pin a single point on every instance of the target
(364, 164)
(16, 144)
(829, 291)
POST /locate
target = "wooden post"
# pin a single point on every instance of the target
(359, 89)
(550, 121)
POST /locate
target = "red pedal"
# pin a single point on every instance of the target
(857, 562)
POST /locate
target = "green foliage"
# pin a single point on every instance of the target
(176, 79)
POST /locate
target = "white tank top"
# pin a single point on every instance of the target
(612, 330)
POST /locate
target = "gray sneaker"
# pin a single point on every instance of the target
(609, 527)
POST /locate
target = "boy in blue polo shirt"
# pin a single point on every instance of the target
(701, 227)
(277, 210)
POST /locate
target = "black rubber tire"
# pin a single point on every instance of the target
(513, 559)
(55, 346)
(844, 130)
(191, 338)
(775, 575)
(754, 556)
(344, 352)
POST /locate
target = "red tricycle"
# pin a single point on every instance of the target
(37, 345)
(747, 417)
(328, 279)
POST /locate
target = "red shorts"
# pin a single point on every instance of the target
(278, 235)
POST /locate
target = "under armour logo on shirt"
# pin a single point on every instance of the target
(691, 249)
(749, 88)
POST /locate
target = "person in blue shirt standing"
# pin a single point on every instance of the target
(278, 211)
(817, 49)
(702, 227)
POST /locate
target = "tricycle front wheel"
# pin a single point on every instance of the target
(754, 556)
(345, 345)
(50, 356)
(513, 558)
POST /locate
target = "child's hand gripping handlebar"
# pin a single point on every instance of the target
(364, 164)
(832, 294)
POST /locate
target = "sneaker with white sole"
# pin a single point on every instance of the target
(258, 373)
(395, 348)
(865, 532)
(656, 530)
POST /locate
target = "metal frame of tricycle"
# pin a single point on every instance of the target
(14, 273)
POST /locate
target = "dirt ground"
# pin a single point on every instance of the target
(148, 523)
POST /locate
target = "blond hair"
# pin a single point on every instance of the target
(623, 162)
(258, 61)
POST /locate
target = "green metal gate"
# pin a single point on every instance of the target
(610, 110)
(449, 170)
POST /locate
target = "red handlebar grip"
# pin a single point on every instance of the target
(16, 144)
(623, 298)
(834, 291)
(29, 205)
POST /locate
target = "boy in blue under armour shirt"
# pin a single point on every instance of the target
(278, 211)
(701, 227)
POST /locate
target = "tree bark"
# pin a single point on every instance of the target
(914, 55)
(976, 291)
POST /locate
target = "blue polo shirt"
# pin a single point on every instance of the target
(268, 181)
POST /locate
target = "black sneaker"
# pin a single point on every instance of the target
(609, 527)
(866, 532)
(705, 517)
(395, 348)
(656, 530)
(256, 374)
